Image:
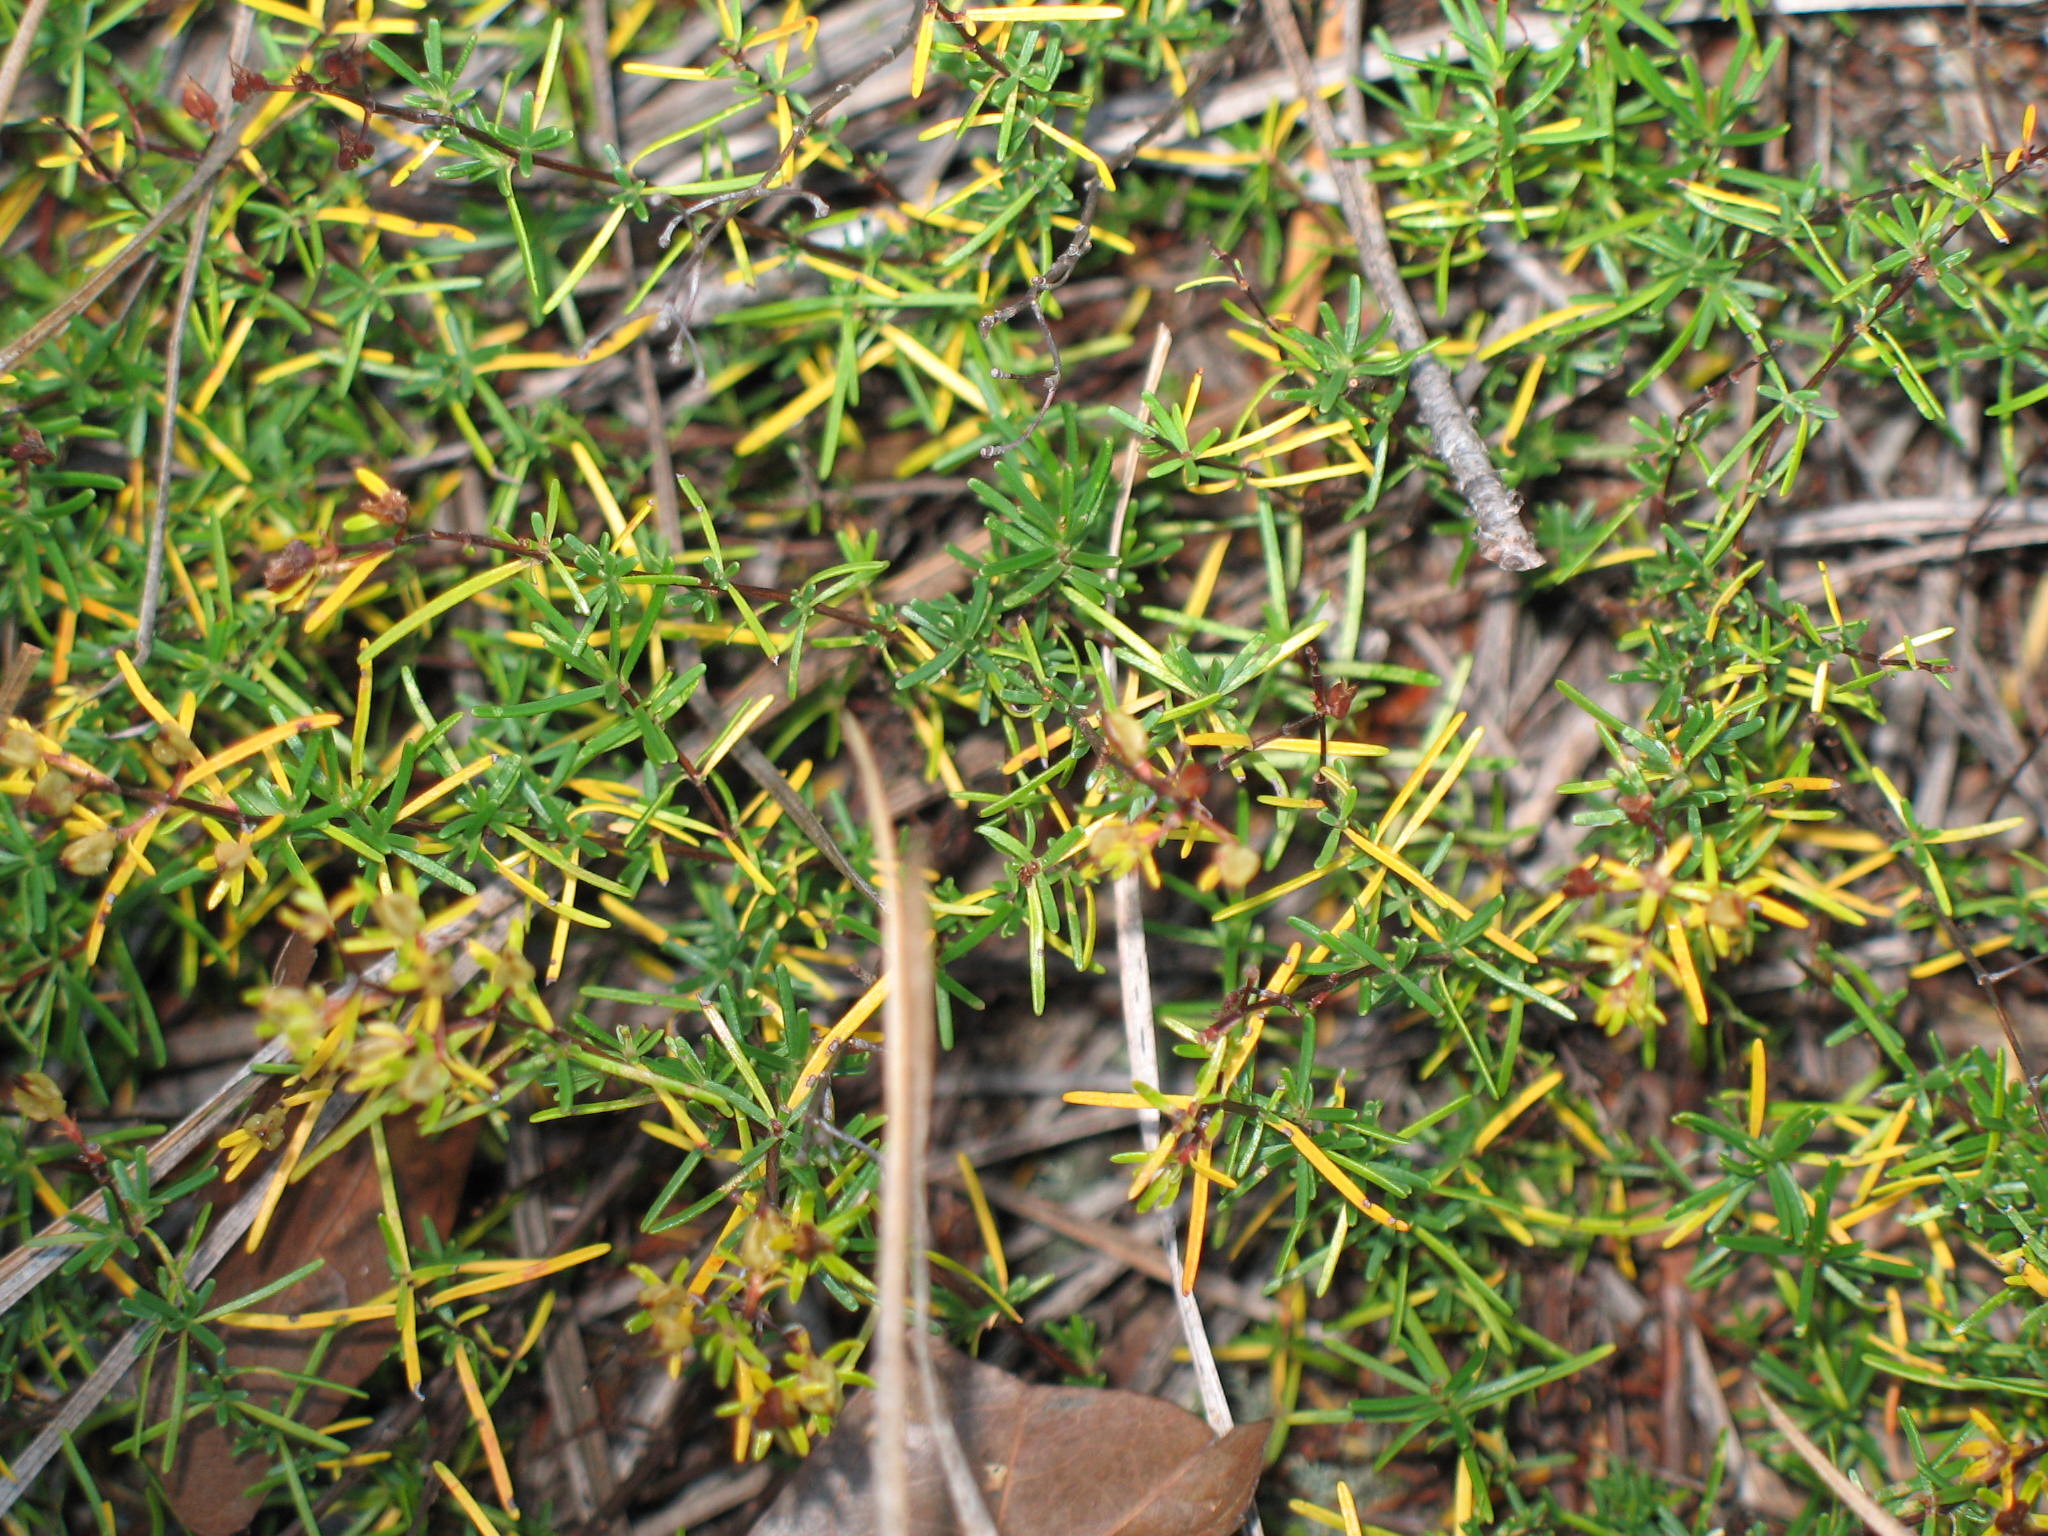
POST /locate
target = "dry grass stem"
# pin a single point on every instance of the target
(1853, 1495)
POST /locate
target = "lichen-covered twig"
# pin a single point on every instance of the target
(1496, 510)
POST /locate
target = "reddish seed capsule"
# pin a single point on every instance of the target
(30, 448)
(775, 1411)
(249, 82)
(198, 104)
(344, 68)
(352, 149)
(391, 506)
(288, 565)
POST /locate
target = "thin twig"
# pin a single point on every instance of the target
(21, 666)
(181, 311)
(889, 1451)
(1134, 981)
(100, 168)
(762, 770)
(1119, 1244)
(661, 469)
(17, 53)
(675, 310)
(928, 577)
(708, 1498)
(1033, 302)
(1352, 49)
(227, 143)
(425, 117)
(1496, 510)
(174, 357)
(1078, 245)
(588, 1481)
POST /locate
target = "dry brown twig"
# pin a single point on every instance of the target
(1496, 510)
(903, 1280)
(167, 436)
(21, 666)
(578, 1447)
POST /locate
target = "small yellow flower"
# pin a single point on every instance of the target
(1115, 847)
(671, 1312)
(234, 859)
(259, 1133)
(297, 1013)
(1232, 865)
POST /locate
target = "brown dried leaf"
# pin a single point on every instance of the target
(330, 1215)
(1051, 1461)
